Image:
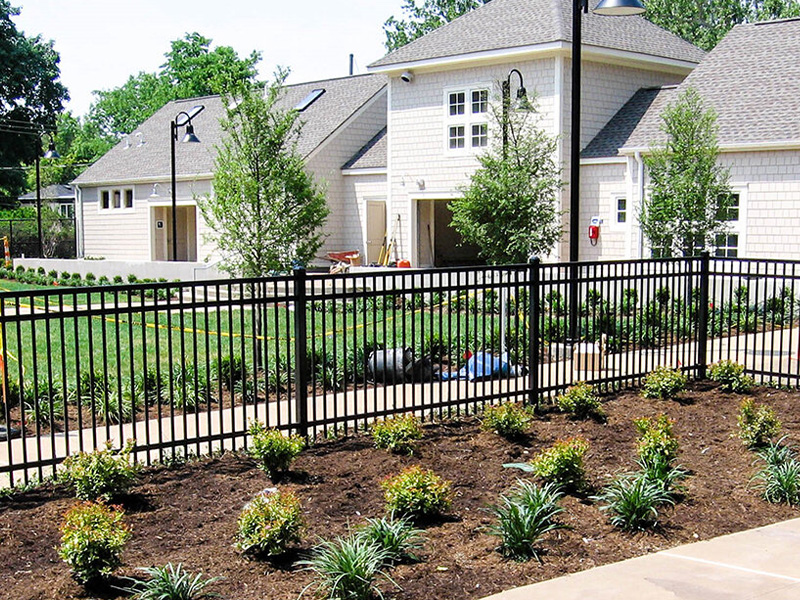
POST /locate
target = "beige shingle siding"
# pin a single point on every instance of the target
(343, 229)
(503, 24)
(417, 131)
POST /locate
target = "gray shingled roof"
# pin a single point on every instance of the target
(52, 192)
(342, 98)
(751, 79)
(620, 128)
(372, 156)
(502, 24)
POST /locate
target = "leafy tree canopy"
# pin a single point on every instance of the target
(424, 18)
(266, 211)
(31, 97)
(689, 194)
(704, 23)
(510, 208)
(192, 69)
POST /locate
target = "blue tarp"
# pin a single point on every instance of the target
(482, 365)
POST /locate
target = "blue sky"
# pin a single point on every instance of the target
(102, 42)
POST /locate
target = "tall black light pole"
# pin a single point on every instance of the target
(522, 103)
(182, 119)
(613, 8)
(51, 153)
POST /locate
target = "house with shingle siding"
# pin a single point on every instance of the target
(124, 203)
(437, 121)
(395, 147)
(752, 81)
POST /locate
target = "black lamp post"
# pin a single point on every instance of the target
(617, 8)
(51, 153)
(182, 119)
(522, 103)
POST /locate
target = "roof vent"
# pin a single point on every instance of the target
(310, 99)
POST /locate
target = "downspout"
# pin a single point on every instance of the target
(79, 242)
(640, 174)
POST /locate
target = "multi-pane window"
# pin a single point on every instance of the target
(622, 210)
(727, 245)
(456, 104)
(456, 137)
(480, 101)
(116, 198)
(480, 135)
(467, 112)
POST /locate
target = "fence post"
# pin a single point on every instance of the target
(702, 321)
(300, 353)
(533, 332)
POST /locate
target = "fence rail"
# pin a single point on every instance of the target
(183, 367)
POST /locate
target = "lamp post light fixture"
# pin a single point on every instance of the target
(614, 8)
(182, 119)
(521, 104)
(51, 153)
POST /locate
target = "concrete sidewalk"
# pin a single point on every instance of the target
(756, 564)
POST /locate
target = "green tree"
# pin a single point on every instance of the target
(510, 208)
(689, 194)
(192, 69)
(424, 18)
(30, 98)
(266, 211)
(79, 142)
(705, 23)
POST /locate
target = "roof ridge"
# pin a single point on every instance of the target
(773, 21)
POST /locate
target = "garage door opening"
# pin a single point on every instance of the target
(438, 243)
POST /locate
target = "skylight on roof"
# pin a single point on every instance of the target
(310, 99)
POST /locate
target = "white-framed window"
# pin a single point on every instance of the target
(467, 116)
(621, 212)
(726, 245)
(66, 210)
(456, 137)
(116, 199)
(480, 135)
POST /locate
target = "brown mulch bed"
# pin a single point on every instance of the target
(188, 513)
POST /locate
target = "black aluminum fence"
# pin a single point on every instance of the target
(58, 237)
(184, 367)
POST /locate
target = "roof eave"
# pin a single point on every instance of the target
(143, 180)
(740, 147)
(560, 47)
(364, 171)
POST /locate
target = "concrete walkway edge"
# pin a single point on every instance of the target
(759, 564)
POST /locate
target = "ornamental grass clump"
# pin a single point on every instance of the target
(269, 523)
(524, 516)
(664, 383)
(509, 420)
(397, 434)
(397, 537)
(92, 538)
(273, 450)
(172, 583)
(580, 400)
(416, 493)
(633, 501)
(758, 424)
(779, 479)
(103, 474)
(346, 568)
(731, 377)
(562, 463)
